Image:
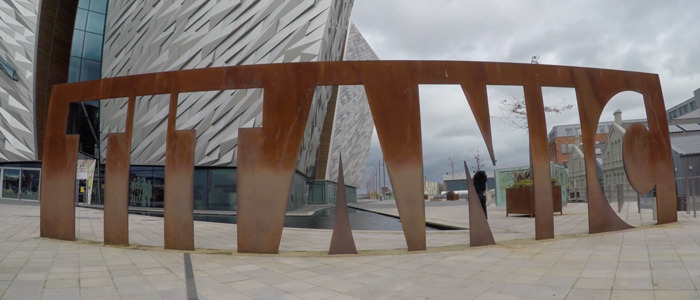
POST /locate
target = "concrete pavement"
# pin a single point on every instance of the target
(648, 262)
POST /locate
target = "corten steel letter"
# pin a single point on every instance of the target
(594, 88)
(57, 208)
(267, 157)
(476, 94)
(178, 210)
(393, 101)
(537, 132)
(342, 241)
(479, 229)
(116, 206)
(658, 158)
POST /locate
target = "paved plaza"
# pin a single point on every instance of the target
(647, 262)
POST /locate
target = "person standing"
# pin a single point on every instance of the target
(480, 186)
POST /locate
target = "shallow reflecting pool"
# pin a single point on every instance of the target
(323, 219)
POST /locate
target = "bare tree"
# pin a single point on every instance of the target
(517, 112)
(479, 162)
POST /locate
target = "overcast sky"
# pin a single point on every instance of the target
(660, 37)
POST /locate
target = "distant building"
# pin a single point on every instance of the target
(458, 181)
(431, 188)
(577, 173)
(561, 141)
(686, 107)
(613, 166)
(685, 145)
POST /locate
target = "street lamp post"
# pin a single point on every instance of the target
(690, 173)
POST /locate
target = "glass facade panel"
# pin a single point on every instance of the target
(81, 19)
(92, 48)
(298, 192)
(141, 188)
(99, 6)
(96, 23)
(30, 184)
(200, 191)
(316, 193)
(84, 4)
(90, 70)
(10, 183)
(222, 189)
(158, 189)
(77, 46)
(74, 73)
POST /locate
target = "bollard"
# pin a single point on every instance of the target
(620, 198)
(687, 194)
(693, 196)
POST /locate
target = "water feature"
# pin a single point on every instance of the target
(323, 219)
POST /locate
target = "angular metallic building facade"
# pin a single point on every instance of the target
(142, 38)
(155, 36)
(18, 32)
(352, 122)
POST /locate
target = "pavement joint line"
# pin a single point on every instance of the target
(189, 278)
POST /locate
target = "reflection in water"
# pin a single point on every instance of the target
(324, 219)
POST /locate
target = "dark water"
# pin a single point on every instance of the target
(324, 219)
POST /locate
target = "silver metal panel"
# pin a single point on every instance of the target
(353, 124)
(686, 144)
(18, 28)
(146, 37)
(689, 127)
(674, 129)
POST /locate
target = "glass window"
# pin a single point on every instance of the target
(199, 194)
(10, 183)
(138, 185)
(158, 182)
(578, 131)
(77, 47)
(563, 149)
(569, 131)
(30, 184)
(222, 189)
(81, 19)
(92, 49)
(692, 105)
(84, 4)
(96, 23)
(90, 70)
(146, 186)
(296, 195)
(99, 6)
(74, 73)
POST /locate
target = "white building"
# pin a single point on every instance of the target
(613, 167)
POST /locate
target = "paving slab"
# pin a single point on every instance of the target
(647, 262)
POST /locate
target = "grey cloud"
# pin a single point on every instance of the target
(649, 36)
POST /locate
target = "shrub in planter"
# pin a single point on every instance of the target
(519, 198)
